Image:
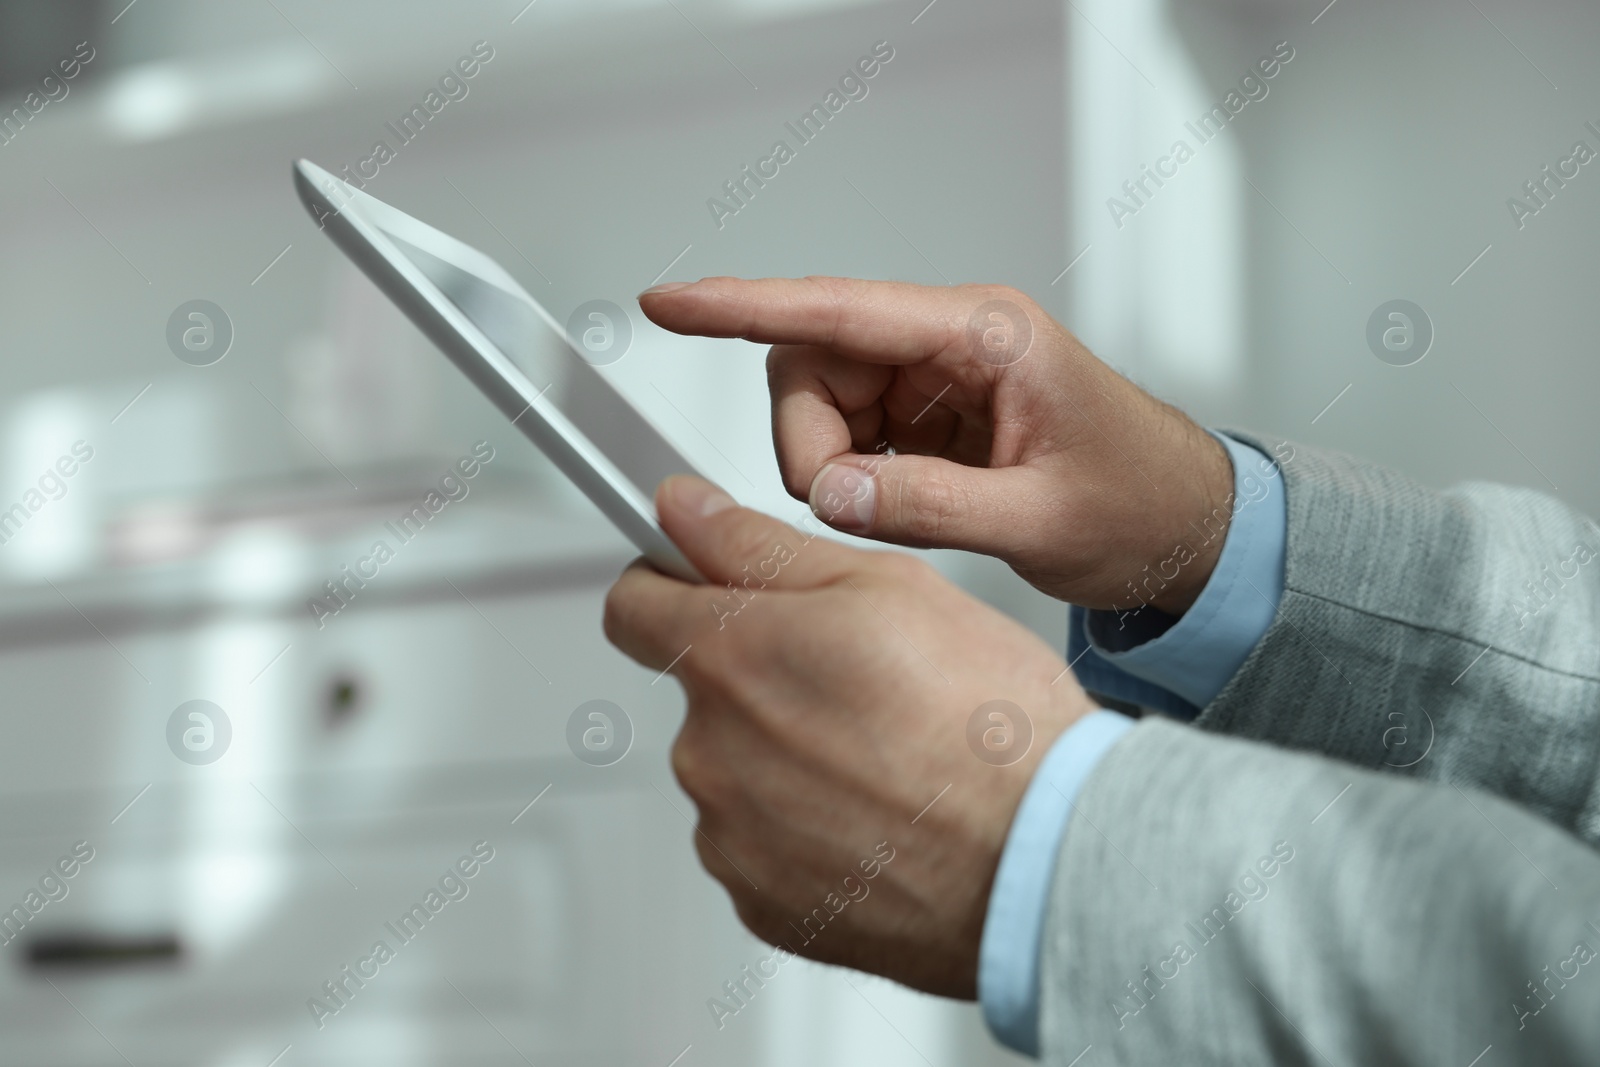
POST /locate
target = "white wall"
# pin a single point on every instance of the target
(1390, 145)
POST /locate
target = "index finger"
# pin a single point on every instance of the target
(875, 322)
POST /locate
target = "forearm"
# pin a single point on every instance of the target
(1218, 901)
(1407, 639)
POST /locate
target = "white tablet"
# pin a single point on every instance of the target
(514, 351)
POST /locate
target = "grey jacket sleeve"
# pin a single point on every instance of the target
(1452, 636)
(1219, 901)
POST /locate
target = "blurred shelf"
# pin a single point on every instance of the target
(179, 563)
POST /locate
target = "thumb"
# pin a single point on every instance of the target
(925, 502)
(727, 543)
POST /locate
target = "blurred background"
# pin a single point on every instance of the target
(173, 507)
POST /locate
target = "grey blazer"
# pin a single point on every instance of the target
(1378, 845)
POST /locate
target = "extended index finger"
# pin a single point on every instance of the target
(875, 322)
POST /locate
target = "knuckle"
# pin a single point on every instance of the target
(762, 921)
(835, 286)
(1011, 295)
(701, 776)
(717, 861)
(1040, 320)
(841, 294)
(925, 508)
(1016, 296)
(689, 766)
(713, 863)
(749, 544)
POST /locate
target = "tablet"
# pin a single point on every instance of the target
(514, 352)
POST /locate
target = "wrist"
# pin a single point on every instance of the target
(1196, 531)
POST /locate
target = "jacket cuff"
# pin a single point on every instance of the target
(1013, 929)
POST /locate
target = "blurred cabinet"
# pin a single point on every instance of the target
(363, 760)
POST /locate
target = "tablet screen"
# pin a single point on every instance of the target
(542, 352)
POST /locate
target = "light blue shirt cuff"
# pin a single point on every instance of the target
(1180, 667)
(1013, 929)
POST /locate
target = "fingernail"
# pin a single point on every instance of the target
(666, 287)
(844, 497)
(697, 496)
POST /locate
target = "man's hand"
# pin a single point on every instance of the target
(1009, 438)
(831, 697)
